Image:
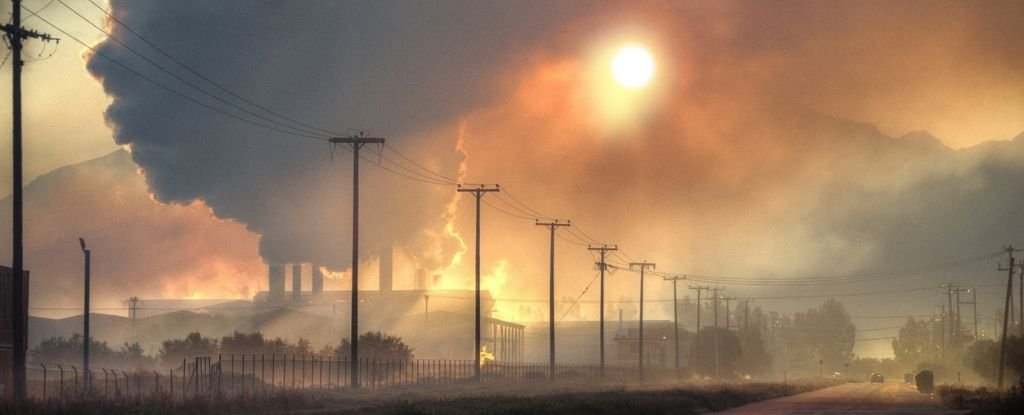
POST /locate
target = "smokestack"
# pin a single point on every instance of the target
(387, 269)
(421, 279)
(318, 280)
(296, 282)
(276, 284)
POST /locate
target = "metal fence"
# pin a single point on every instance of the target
(261, 374)
(64, 382)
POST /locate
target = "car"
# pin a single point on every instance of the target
(877, 378)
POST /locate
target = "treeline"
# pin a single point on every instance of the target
(59, 350)
(937, 344)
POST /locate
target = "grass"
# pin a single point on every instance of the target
(541, 398)
(984, 401)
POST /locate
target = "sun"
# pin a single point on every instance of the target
(633, 67)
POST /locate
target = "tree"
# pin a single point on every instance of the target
(58, 350)
(729, 352)
(823, 334)
(174, 350)
(755, 358)
(133, 356)
(914, 344)
(376, 345)
(244, 343)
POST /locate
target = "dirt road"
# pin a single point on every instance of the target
(852, 398)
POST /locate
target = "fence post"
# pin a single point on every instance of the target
(77, 387)
(156, 387)
(171, 378)
(44, 380)
(61, 368)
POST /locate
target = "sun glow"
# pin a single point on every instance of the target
(633, 67)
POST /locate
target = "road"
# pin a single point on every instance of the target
(852, 398)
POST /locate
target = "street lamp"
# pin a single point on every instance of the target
(85, 321)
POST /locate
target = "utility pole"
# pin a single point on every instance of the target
(85, 320)
(477, 193)
(717, 360)
(643, 266)
(133, 306)
(602, 266)
(727, 311)
(551, 294)
(746, 314)
(699, 288)
(1006, 312)
(356, 143)
(675, 314)
(959, 322)
(945, 323)
(973, 302)
(714, 300)
(1020, 321)
(949, 315)
(19, 326)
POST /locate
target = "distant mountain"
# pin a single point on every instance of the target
(139, 247)
(151, 331)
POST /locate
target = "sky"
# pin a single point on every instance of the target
(775, 139)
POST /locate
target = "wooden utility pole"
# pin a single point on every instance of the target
(19, 326)
(717, 357)
(477, 193)
(642, 266)
(86, 338)
(1006, 312)
(675, 314)
(356, 143)
(699, 289)
(602, 266)
(552, 226)
(727, 313)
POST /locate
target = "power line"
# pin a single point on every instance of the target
(178, 93)
(190, 69)
(310, 132)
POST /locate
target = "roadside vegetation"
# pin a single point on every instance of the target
(559, 398)
(985, 401)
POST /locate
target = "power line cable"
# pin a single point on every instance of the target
(305, 131)
(200, 75)
(175, 92)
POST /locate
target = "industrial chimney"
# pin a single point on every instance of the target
(296, 282)
(276, 282)
(318, 280)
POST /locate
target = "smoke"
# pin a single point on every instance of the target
(139, 248)
(773, 140)
(338, 67)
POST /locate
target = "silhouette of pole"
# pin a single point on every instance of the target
(602, 266)
(356, 143)
(717, 360)
(19, 301)
(974, 302)
(675, 314)
(699, 289)
(85, 319)
(643, 266)
(1006, 313)
(551, 294)
(478, 193)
